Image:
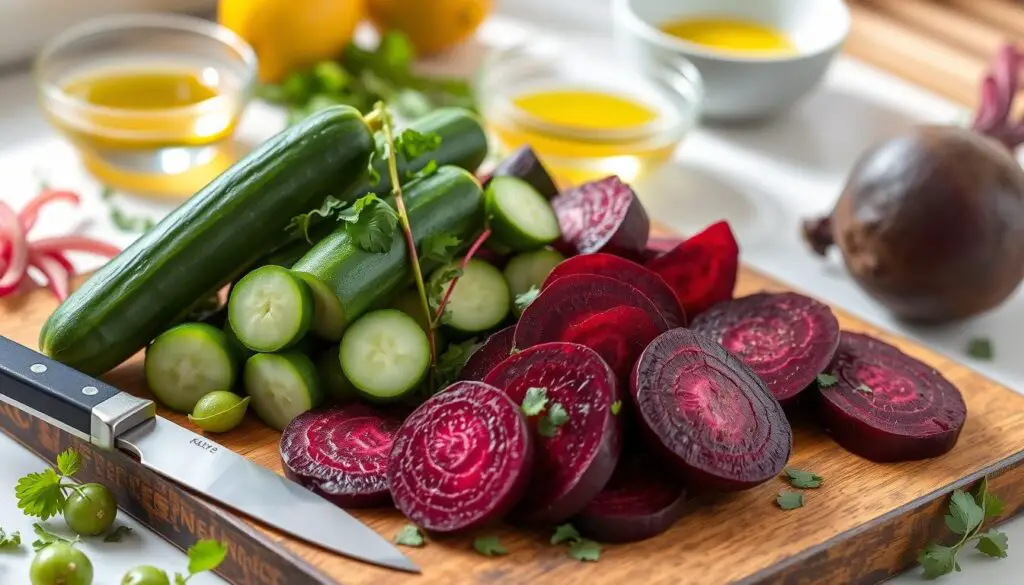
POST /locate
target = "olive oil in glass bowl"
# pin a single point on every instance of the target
(150, 101)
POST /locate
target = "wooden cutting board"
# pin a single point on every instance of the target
(866, 523)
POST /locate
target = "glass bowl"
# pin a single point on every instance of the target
(576, 153)
(165, 150)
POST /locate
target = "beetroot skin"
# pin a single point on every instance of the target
(887, 406)
(709, 414)
(602, 216)
(786, 338)
(575, 464)
(647, 282)
(341, 454)
(461, 460)
(497, 347)
(605, 314)
(702, 270)
(641, 501)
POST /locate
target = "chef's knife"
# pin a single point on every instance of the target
(110, 419)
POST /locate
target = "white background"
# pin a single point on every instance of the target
(763, 179)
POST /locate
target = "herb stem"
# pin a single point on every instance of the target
(436, 321)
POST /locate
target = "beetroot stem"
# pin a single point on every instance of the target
(436, 321)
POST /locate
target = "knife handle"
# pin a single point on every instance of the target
(64, 397)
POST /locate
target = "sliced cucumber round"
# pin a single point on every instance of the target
(282, 386)
(521, 218)
(270, 308)
(530, 269)
(328, 313)
(385, 354)
(480, 300)
(188, 362)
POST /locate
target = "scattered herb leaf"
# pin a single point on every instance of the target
(410, 535)
(412, 144)
(864, 388)
(439, 285)
(523, 300)
(989, 502)
(117, 534)
(69, 462)
(789, 500)
(980, 348)
(966, 515)
(534, 401)
(938, 560)
(565, 533)
(799, 478)
(826, 380)
(45, 538)
(301, 223)
(9, 541)
(371, 222)
(489, 546)
(616, 407)
(439, 248)
(451, 362)
(555, 417)
(992, 543)
(41, 495)
(206, 555)
(585, 550)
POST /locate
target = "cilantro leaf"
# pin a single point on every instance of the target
(301, 223)
(555, 417)
(989, 502)
(534, 401)
(45, 538)
(980, 348)
(864, 388)
(966, 512)
(438, 286)
(937, 560)
(439, 248)
(565, 533)
(789, 500)
(992, 543)
(616, 407)
(523, 300)
(117, 534)
(371, 222)
(40, 494)
(410, 535)
(585, 550)
(451, 362)
(489, 546)
(799, 478)
(826, 380)
(206, 555)
(69, 462)
(9, 542)
(412, 144)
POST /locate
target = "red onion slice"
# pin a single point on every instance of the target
(15, 238)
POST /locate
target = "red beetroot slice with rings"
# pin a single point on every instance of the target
(641, 501)
(574, 464)
(497, 347)
(462, 459)
(607, 315)
(701, 270)
(786, 338)
(602, 216)
(887, 406)
(707, 412)
(647, 282)
(341, 454)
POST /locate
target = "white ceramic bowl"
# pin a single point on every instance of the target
(737, 86)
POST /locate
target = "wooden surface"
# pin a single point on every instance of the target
(866, 523)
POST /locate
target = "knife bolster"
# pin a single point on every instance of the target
(118, 414)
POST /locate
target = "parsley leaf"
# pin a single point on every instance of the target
(989, 502)
(117, 534)
(439, 248)
(40, 494)
(534, 401)
(523, 300)
(980, 348)
(799, 478)
(451, 362)
(69, 462)
(992, 543)
(937, 560)
(616, 407)
(206, 555)
(489, 546)
(371, 222)
(565, 533)
(585, 550)
(556, 416)
(789, 500)
(412, 144)
(826, 380)
(301, 223)
(45, 538)
(410, 535)
(864, 388)
(966, 513)
(9, 542)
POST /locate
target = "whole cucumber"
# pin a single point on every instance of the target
(207, 241)
(449, 201)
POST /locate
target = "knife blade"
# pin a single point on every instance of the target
(110, 419)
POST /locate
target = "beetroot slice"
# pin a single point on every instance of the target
(341, 454)
(602, 216)
(524, 164)
(605, 314)
(887, 406)
(647, 282)
(701, 270)
(709, 414)
(641, 501)
(786, 338)
(461, 460)
(497, 347)
(572, 466)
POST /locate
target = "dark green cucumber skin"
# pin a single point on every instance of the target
(207, 241)
(449, 201)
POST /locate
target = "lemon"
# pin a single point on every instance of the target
(431, 25)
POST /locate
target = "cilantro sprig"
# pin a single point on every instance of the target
(44, 494)
(551, 416)
(967, 514)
